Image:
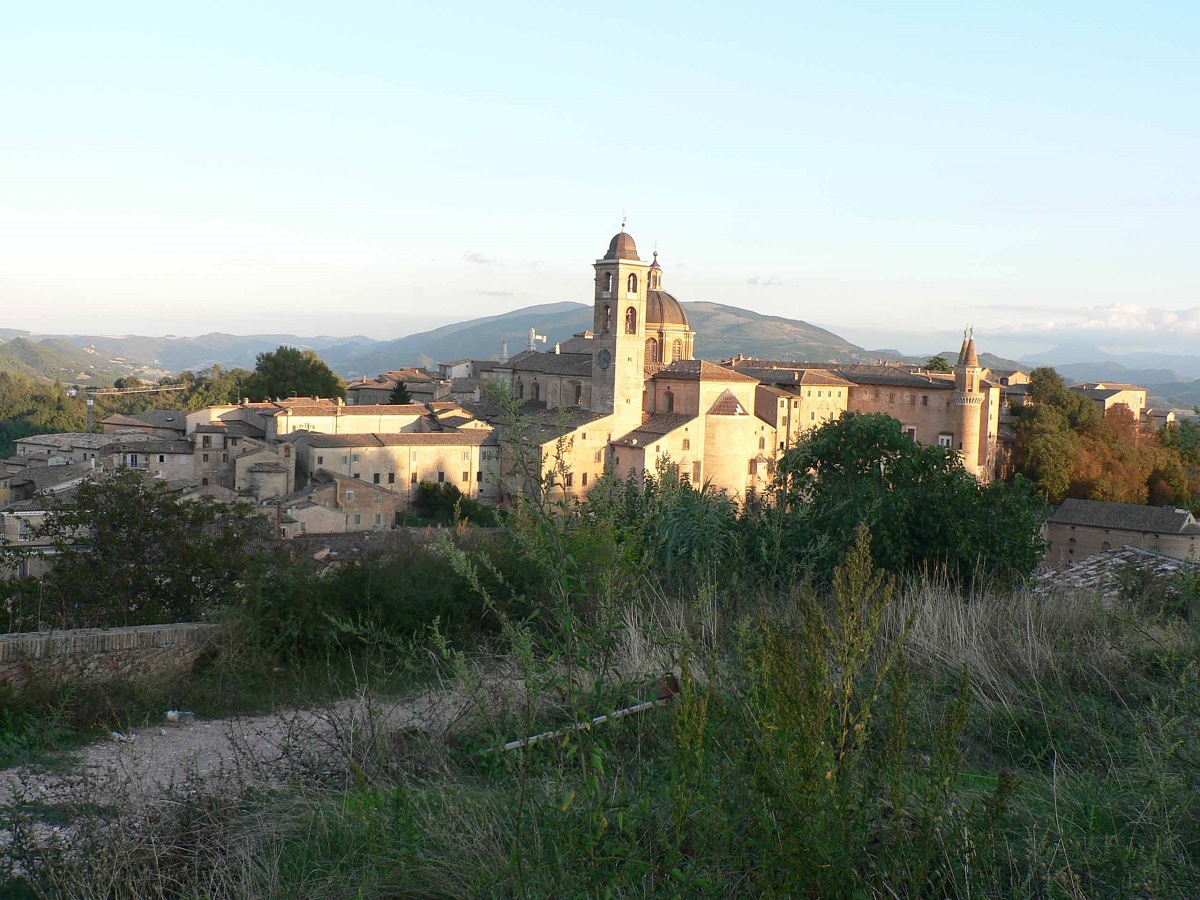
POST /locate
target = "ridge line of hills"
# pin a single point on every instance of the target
(722, 331)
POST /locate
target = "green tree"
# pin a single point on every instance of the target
(938, 364)
(400, 394)
(132, 553)
(922, 508)
(289, 372)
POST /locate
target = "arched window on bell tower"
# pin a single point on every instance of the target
(631, 318)
(606, 282)
(632, 282)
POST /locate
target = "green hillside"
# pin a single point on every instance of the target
(52, 359)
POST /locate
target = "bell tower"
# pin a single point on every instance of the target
(618, 367)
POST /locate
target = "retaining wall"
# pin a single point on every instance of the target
(101, 654)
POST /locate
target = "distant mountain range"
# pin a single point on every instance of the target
(722, 331)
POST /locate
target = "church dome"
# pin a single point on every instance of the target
(663, 309)
(621, 247)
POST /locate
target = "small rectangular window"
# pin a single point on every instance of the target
(687, 443)
(375, 478)
(356, 457)
(570, 479)
(413, 478)
(161, 458)
(205, 457)
(466, 476)
(224, 457)
(320, 460)
(378, 518)
(345, 459)
(357, 519)
(391, 477)
(379, 498)
(585, 475)
(924, 399)
(479, 476)
(441, 477)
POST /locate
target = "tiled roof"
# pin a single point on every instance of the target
(1102, 573)
(1125, 517)
(894, 376)
(653, 428)
(700, 370)
(536, 363)
(153, 446)
(473, 437)
(727, 404)
(796, 376)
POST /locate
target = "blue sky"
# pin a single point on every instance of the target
(885, 170)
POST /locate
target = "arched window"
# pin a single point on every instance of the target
(631, 321)
(607, 282)
(535, 392)
(676, 350)
(579, 395)
(607, 318)
(633, 282)
(520, 389)
(669, 402)
(652, 352)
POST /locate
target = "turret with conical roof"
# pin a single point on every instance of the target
(968, 397)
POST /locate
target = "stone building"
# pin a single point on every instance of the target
(1081, 528)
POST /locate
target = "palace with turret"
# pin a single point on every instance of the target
(630, 394)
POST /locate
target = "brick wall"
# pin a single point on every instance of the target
(101, 654)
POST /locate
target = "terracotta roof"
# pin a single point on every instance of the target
(537, 362)
(894, 376)
(796, 376)
(727, 404)
(1125, 517)
(473, 437)
(700, 370)
(653, 428)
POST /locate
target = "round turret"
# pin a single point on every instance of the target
(621, 247)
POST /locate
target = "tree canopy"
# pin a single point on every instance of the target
(290, 372)
(923, 509)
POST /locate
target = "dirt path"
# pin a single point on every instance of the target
(149, 762)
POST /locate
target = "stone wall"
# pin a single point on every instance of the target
(102, 654)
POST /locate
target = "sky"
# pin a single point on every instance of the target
(890, 171)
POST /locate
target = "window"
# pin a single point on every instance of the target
(696, 471)
(345, 459)
(818, 393)
(891, 398)
(205, 457)
(762, 443)
(912, 433)
(607, 316)
(676, 350)
(599, 454)
(924, 399)
(606, 284)
(287, 452)
(379, 498)
(357, 458)
(535, 392)
(631, 321)
(669, 401)
(349, 495)
(161, 458)
(812, 416)
(224, 457)
(391, 477)
(320, 460)
(375, 478)
(570, 479)
(233, 442)
(441, 477)
(413, 479)
(378, 518)
(631, 283)
(520, 390)
(579, 396)
(206, 441)
(204, 481)
(357, 519)
(687, 443)
(945, 440)
(479, 476)
(651, 351)
(585, 475)
(466, 476)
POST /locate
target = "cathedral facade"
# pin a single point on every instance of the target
(637, 397)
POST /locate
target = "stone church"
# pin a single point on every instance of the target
(637, 395)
